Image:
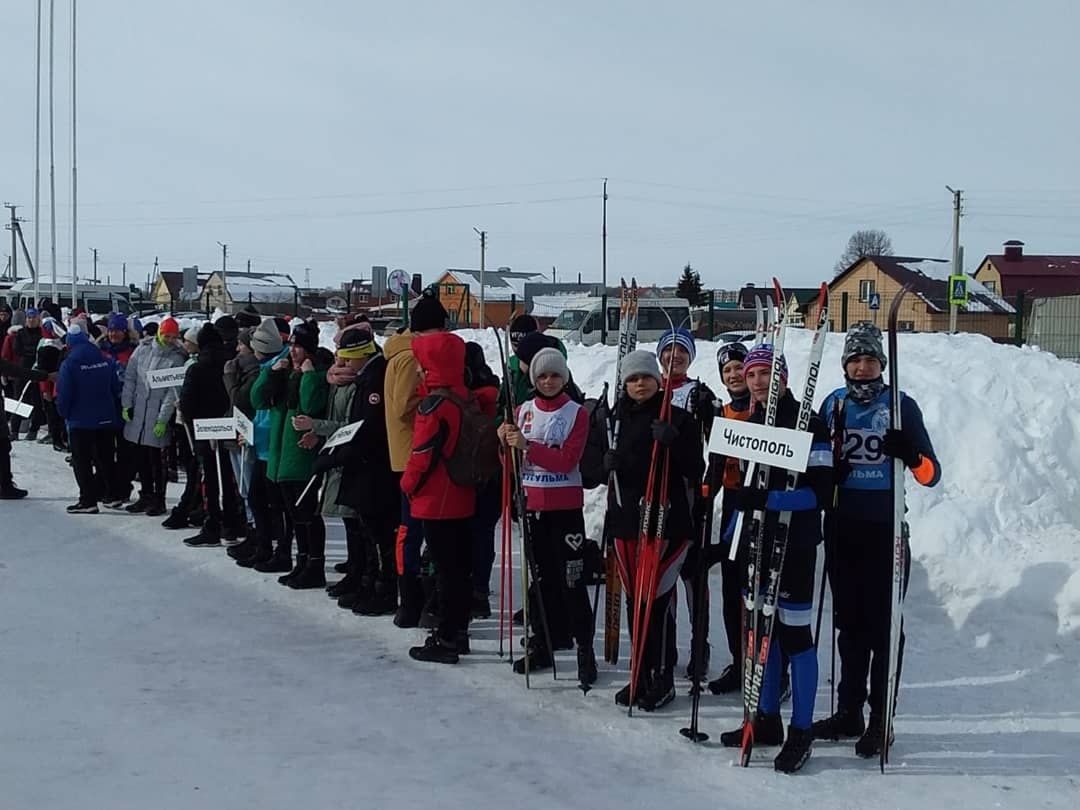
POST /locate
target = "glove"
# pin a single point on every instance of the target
(126, 414)
(611, 461)
(897, 445)
(664, 433)
(751, 499)
(159, 429)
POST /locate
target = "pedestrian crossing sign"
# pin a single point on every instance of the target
(958, 290)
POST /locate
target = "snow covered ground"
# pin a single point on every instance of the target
(138, 672)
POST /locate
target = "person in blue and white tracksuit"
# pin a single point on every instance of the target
(859, 562)
(791, 631)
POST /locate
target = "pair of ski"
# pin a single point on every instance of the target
(760, 607)
(513, 501)
(628, 319)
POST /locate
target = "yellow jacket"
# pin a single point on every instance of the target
(402, 397)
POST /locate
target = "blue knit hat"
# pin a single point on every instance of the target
(679, 337)
(763, 356)
(118, 321)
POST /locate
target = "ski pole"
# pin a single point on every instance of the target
(305, 492)
(220, 481)
(700, 607)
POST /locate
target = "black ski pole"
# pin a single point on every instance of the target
(701, 580)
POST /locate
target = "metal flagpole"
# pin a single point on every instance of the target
(74, 175)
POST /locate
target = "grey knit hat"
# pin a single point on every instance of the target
(639, 363)
(548, 361)
(863, 338)
(266, 339)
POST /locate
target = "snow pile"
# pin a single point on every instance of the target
(1001, 419)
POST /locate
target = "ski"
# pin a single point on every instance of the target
(506, 572)
(651, 544)
(756, 534)
(898, 557)
(613, 584)
(768, 603)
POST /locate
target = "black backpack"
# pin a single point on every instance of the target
(592, 459)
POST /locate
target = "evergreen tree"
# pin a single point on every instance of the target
(689, 286)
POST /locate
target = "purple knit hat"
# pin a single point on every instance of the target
(762, 357)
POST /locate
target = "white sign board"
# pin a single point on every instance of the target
(343, 435)
(398, 282)
(245, 427)
(23, 409)
(220, 429)
(167, 377)
(778, 447)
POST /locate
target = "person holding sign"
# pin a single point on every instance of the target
(804, 499)
(203, 396)
(8, 490)
(860, 563)
(146, 412)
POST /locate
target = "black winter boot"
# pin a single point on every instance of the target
(381, 602)
(796, 751)
(10, 492)
(156, 508)
(435, 650)
(208, 535)
(142, 503)
(245, 548)
(411, 601)
(301, 563)
(313, 575)
(768, 730)
(659, 691)
(869, 744)
(846, 724)
(730, 680)
(586, 666)
(538, 655)
(177, 519)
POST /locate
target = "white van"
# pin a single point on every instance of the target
(580, 321)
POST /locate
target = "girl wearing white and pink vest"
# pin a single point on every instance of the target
(551, 430)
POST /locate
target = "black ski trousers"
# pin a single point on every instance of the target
(558, 550)
(273, 527)
(307, 522)
(860, 576)
(91, 458)
(450, 543)
(151, 473)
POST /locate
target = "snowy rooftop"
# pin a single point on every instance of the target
(929, 279)
(499, 285)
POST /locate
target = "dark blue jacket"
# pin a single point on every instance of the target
(88, 394)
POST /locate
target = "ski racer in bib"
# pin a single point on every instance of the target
(676, 352)
(726, 476)
(860, 563)
(791, 631)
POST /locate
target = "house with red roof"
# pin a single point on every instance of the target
(1036, 276)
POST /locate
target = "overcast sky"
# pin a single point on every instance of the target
(749, 139)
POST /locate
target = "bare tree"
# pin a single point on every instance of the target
(870, 242)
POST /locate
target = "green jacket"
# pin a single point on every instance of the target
(286, 394)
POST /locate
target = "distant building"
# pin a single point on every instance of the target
(166, 291)
(1037, 276)
(504, 289)
(268, 293)
(878, 279)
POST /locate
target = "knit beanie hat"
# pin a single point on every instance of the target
(677, 337)
(863, 338)
(192, 336)
(247, 317)
(356, 343)
(168, 328)
(428, 314)
(18, 317)
(227, 327)
(243, 337)
(730, 352)
(531, 343)
(521, 326)
(639, 363)
(306, 336)
(548, 361)
(762, 356)
(266, 339)
(283, 328)
(208, 336)
(118, 321)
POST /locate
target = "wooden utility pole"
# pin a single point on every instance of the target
(603, 268)
(94, 251)
(13, 227)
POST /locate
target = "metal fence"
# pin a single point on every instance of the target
(1002, 321)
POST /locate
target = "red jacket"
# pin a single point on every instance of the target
(432, 495)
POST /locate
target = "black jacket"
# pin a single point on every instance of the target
(25, 345)
(805, 526)
(203, 394)
(367, 483)
(634, 453)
